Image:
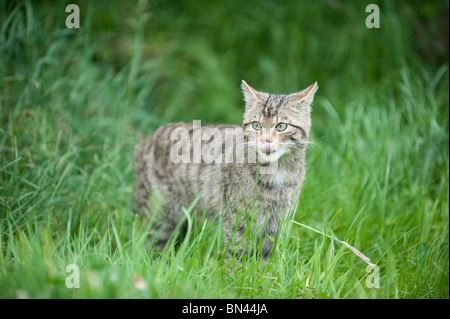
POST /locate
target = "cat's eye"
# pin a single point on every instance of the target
(256, 126)
(281, 127)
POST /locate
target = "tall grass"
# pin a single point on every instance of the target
(73, 103)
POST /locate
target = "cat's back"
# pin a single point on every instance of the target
(184, 159)
(160, 137)
(180, 147)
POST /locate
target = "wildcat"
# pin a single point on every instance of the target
(275, 133)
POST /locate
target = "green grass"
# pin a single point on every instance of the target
(73, 103)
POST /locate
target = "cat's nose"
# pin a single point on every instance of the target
(265, 140)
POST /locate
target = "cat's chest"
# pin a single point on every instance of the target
(280, 179)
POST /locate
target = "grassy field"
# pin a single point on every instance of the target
(74, 102)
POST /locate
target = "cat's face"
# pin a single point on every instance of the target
(275, 125)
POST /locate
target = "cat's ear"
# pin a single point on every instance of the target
(251, 96)
(305, 97)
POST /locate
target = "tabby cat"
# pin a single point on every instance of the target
(260, 183)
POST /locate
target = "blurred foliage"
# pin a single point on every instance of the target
(196, 52)
(74, 102)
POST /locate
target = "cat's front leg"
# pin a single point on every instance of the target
(244, 241)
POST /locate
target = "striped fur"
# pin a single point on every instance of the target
(163, 187)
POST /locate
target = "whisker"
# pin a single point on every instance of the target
(247, 144)
(298, 143)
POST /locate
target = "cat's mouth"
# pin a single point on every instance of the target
(269, 154)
